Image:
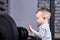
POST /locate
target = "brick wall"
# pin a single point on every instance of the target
(57, 16)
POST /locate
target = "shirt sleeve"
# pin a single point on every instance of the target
(40, 33)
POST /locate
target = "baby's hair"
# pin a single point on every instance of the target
(45, 11)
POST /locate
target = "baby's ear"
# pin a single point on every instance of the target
(44, 17)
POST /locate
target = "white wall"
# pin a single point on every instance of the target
(23, 12)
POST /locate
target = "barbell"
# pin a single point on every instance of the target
(9, 29)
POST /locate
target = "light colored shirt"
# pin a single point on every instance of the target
(44, 32)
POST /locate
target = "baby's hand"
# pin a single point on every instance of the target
(30, 27)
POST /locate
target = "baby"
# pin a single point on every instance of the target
(42, 18)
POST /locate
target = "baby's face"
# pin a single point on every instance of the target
(39, 18)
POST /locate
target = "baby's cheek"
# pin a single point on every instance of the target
(40, 21)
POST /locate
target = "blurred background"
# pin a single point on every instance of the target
(23, 12)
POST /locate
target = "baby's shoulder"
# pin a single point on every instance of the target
(44, 26)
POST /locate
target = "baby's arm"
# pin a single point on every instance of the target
(40, 33)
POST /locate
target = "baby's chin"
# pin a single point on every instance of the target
(40, 23)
